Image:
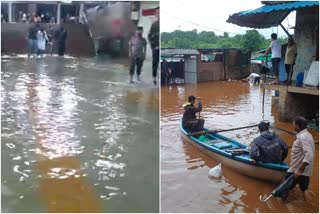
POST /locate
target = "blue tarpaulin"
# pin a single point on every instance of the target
(280, 7)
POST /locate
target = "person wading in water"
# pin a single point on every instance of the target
(153, 38)
(137, 53)
(61, 37)
(302, 157)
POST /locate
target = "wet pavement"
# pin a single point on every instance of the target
(77, 137)
(185, 186)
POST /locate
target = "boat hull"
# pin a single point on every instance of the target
(248, 169)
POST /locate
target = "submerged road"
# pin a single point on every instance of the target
(185, 186)
(74, 136)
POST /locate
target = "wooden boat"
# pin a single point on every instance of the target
(232, 154)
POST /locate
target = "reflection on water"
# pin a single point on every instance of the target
(185, 186)
(70, 133)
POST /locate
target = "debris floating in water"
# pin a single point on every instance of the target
(10, 145)
(215, 172)
(112, 188)
(16, 169)
(22, 179)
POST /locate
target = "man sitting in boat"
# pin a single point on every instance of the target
(189, 119)
(268, 147)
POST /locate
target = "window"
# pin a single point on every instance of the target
(211, 57)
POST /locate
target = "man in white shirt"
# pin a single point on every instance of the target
(275, 48)
(253, 77)
(302, 157)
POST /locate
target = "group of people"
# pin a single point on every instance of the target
(38, 40)
(290, 57)
(30, 18)
(43, 18)
(138, 48)
(275, 48)
(268, 147)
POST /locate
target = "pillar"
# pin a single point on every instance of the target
(58, 13)
(81, 12)
(10, 12)
(135, 9)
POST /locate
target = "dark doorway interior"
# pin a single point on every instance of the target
(177, 68)
(4, 12)
(69, 12)
(46, 12)
(17, 11)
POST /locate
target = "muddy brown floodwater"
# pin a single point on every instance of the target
(185, 186)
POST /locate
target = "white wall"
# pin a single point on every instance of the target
(307, 22)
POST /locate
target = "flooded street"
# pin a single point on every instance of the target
(185, 186)
(74, 136)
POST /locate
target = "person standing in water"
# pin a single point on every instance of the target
(61, 37)
(137, 53)
(153, 38)
(32, 39)
(42, 39)
(302, 157)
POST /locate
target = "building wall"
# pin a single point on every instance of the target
(306, 37)
(236, 64)
(209, 71)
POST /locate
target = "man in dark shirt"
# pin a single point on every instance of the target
(32, 39)
(61, 37)
(268, 147)
(189, 119)
(153, 37)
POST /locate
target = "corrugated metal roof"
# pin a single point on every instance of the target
(278, 7)
(268, 15)
(176, 51)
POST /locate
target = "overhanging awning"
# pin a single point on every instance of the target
(178, 52)
(268, 15)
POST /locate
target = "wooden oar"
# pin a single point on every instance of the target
(215, 131)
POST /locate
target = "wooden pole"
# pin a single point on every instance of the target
(263, 95)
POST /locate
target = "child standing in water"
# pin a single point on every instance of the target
(42, 39)
(137, 53)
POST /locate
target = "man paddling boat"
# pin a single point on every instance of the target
(189, 119)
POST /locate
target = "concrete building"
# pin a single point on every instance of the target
(93, 26)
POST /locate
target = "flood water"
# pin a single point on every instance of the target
(77, 137)
(185, 186)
